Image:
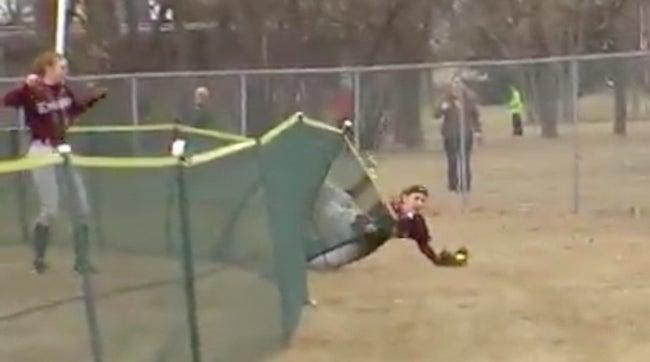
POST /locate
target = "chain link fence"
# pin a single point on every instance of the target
(568, 159)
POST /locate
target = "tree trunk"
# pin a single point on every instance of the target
(529, 89)
(546, 103)
(103, 23)
(373, 104)
(567, 98)
(45, 15)
(408, 131)
(620, 97)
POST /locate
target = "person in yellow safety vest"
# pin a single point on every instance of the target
(516, 109)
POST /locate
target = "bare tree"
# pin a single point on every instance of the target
(540, 28)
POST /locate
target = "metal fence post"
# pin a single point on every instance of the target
(81, 244)
(135, 114)
(187, 259)
(357, 108)
(462, 165)
(576, 136)
(243, 102)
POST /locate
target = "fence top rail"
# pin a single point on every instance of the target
(357, 69)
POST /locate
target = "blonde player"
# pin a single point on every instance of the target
(50, 107)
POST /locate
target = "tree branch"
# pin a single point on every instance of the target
(393, 13)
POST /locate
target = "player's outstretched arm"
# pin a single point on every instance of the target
(80, 106)
(427, 251)
(420, 233)
(415, 227)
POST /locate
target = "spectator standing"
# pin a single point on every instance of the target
(199, 115)
(516, 109)
(460, 124)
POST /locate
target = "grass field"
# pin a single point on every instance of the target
(542, 284)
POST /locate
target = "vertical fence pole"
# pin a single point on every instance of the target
(81, 247)
(188, 261)
(135, 113)
(243, 101)
(576, 136)
(357, 108)
(463, 164)
(60, 40)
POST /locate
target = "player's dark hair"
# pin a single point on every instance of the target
(416, 189)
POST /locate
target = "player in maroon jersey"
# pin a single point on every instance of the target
(50, 107)
(412, 225)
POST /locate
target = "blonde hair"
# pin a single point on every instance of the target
(45, 60)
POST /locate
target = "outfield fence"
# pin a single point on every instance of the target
(576, 98)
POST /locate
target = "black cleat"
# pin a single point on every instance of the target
(89, 269)
(40, 267)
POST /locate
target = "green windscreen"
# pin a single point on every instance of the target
(246, 208)
(350, 218)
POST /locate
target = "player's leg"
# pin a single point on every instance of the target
(466, 162)
(334, 216)
(517, 125)
(48, 195)
(451, 152)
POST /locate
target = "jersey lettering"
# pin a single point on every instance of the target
(53, 106)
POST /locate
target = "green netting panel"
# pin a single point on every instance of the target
(238, 305)
(9, 144)
(129, 208)
(350, 218)
(295, 161)
(8, 215)
(139, 291)
(14, 190)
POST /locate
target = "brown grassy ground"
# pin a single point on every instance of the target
(542, 284)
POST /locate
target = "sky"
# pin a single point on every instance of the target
(4, 5)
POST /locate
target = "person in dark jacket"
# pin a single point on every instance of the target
(199, 115)
(460, 124)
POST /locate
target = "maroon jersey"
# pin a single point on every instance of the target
(414, 226)
(49, 109)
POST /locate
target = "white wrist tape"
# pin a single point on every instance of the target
(64, 149)
(178, 148)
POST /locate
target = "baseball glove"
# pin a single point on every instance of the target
(457, 258)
